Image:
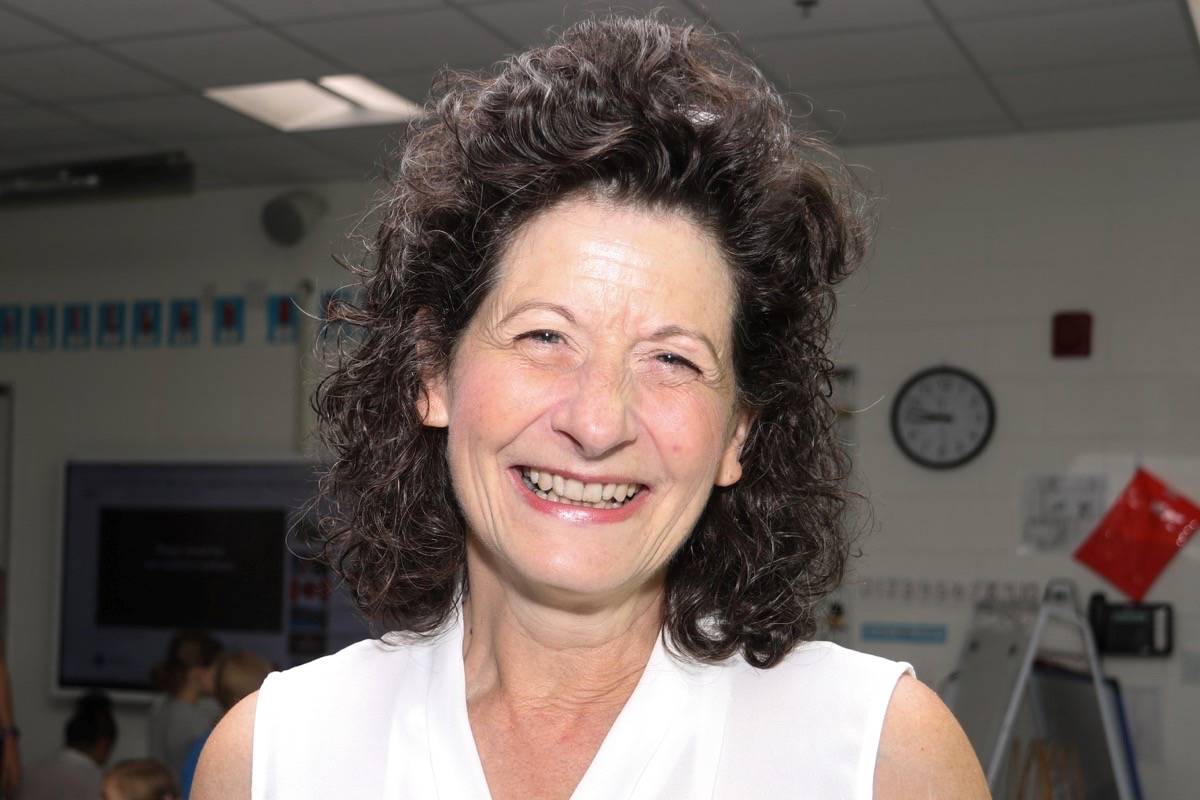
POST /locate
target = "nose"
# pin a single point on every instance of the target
(597, 416)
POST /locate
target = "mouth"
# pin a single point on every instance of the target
(571, 491)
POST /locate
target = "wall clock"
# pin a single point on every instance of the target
(943, 417)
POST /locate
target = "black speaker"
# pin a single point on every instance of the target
(288, 217)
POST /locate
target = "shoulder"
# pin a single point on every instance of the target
(923, 751)
(224, 768)
(292, 720)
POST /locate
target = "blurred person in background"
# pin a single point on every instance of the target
(10, 753)
(238, 674)
(77, 769)
(140, 779)
(187, 709)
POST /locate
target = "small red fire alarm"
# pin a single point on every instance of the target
(1072, 336)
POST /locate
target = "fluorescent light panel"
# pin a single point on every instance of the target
(341, 101)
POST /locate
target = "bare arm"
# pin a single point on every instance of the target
(224, 769)
(923, 752)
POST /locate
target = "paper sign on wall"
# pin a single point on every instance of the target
(282, 319)
(1059, 510)
(41, 327)
(229, 320)
(147, 323)
(10, 328)
(184, 328)
(110, 330)
(77, 326)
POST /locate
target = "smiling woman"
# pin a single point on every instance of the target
(584, 468)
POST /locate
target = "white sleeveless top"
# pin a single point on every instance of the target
(380, 720)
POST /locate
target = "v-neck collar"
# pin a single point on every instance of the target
(669, 730)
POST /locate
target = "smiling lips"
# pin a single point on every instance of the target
(570, 491)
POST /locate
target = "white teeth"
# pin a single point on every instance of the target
(570, 491)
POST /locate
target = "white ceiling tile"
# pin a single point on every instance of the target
(395, 43)
(851, 58)
(1151, 84)
(247, 55)
(32, 127)
(757, 18)
(169, 120)
(970, 9)
(103, 19)
(527, 21)
(295, 10)
(413, 85)
(16, 31)
(1078, 37)
(897, 109)
(74, 73)
(367, 151)
(1091, 119)
(266, 159)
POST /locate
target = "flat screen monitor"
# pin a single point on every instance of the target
(150, 549)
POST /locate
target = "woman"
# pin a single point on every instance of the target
(584, 465)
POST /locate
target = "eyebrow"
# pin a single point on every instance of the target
(665, 332)
(536, 305)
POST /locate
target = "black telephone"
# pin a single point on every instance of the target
(1131, 629)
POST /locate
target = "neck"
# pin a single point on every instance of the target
(548, 649)
(189, 693)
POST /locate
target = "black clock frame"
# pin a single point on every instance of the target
(973, 452)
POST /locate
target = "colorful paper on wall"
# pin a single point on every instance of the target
(10, 328)
(110, 326)
(41, 327)
(283, 318)
(1145, 528)
(184, 328)
(229, 320)
(147, 323)
(77, 326)
(903, 632)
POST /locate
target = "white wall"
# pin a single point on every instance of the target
(168, 403)
(981, 241)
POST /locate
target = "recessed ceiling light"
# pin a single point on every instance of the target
(342, 101)
(369, 94)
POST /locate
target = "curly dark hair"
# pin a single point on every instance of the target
(631, 110)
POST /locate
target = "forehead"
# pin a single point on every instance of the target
(608, 259)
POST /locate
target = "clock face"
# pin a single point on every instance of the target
(943, 417)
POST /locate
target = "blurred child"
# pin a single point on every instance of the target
(237, 675)
(76, 770)
(187, 710)
(140, 779)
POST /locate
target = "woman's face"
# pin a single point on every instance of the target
(599, 366)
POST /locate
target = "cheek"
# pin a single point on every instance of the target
(689, 430)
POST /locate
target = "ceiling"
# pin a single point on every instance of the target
(83, 79)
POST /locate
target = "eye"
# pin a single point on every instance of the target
(674, 360)
(541, 337)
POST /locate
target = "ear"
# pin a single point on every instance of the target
(434, 404)
(730, 469)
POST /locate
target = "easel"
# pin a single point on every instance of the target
(1040, 714)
